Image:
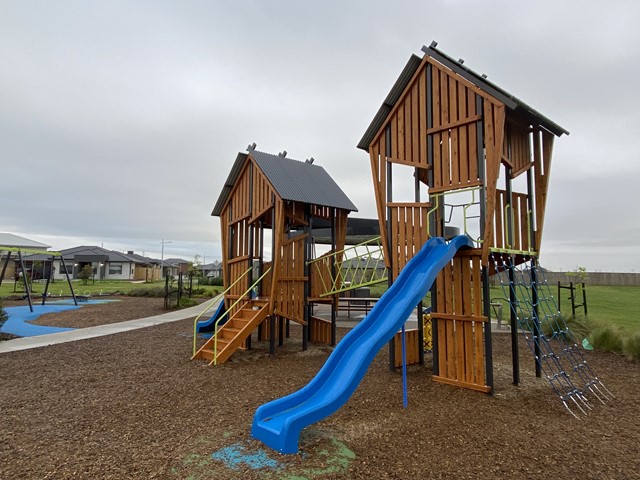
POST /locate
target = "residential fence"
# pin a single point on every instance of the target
(595, 278)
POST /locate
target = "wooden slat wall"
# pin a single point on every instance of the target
(290, 295)
(409, 232)
(494, 119)
(320, 273)
(379, 173)
(237, 267)
(455, 153)
(516, 146)
(453, 129)
(542, 151)
(239, 197)
(461, 324)
(266, 281)
(321, 331)
(518, 211)
(412, 347)
(262, 193)
(320, 211)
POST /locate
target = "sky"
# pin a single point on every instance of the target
(120, 120)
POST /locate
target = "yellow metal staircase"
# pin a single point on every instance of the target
(234, 332)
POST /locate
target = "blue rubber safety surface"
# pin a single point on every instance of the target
(278, 423)
(19, 318)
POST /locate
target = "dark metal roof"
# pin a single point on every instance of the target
(228, 185)
(485, 85)
(292, 180)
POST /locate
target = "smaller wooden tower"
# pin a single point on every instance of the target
(268, 209)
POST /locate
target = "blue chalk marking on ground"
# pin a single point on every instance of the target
(234, 456)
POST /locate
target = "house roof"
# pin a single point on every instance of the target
(16, 241)
(141, 259)
(112, 255)
(292, 180)
(175, 261)
(510, 101)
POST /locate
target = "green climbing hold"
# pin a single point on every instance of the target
(586, 345)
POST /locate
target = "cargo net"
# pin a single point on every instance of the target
(558, 355)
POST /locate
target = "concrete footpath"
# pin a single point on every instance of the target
(100, 330)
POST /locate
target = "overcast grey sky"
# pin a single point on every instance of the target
(119, 120)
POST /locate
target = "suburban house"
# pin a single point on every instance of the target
(106, 264)
(213, 269)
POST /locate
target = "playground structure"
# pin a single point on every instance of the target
(472, 156)
(268, 210)
(21, 246)
(475, 153)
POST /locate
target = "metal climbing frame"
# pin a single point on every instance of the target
(465, 206)
(356, 266)
(555, 349)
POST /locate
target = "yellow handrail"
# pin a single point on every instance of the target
(215, 331)
(211, 303)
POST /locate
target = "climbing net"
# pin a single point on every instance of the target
(547, 334)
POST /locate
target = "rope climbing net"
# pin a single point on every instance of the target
(555, 349)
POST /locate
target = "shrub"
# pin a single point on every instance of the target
(631, 346)
(606, 337)
(216, 281)
(187, 302)
(155, 292)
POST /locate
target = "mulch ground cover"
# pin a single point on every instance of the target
(133, 406)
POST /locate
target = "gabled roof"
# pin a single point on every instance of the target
(175, 261)
(510, 101)
(141, 259)
(292, 180)
(11, 240)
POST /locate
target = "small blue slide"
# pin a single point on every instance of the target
(278, 423)
(210, 325)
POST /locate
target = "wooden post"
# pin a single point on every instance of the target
(392, 249)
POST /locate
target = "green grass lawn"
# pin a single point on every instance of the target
(61, 287)
(619, 306)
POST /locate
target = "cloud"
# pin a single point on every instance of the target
(120, 120)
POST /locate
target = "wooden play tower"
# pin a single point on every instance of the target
(459, 136)
(268, 209)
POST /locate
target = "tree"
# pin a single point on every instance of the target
(85, 274)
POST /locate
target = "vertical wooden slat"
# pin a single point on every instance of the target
(458, 284)
(478, 330)
(422, 104)
(453, 116)
(415, 132)
(401, 137)
(473, 150)
(499, 213)
(437, 137)
(394, 240)
(446, 158)
(515, 215)
(463, 153)
(524, 222)
(468, 326)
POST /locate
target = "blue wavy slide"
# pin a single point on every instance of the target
(278, 423)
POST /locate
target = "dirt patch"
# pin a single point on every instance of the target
(116, 309)
(133, 405)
